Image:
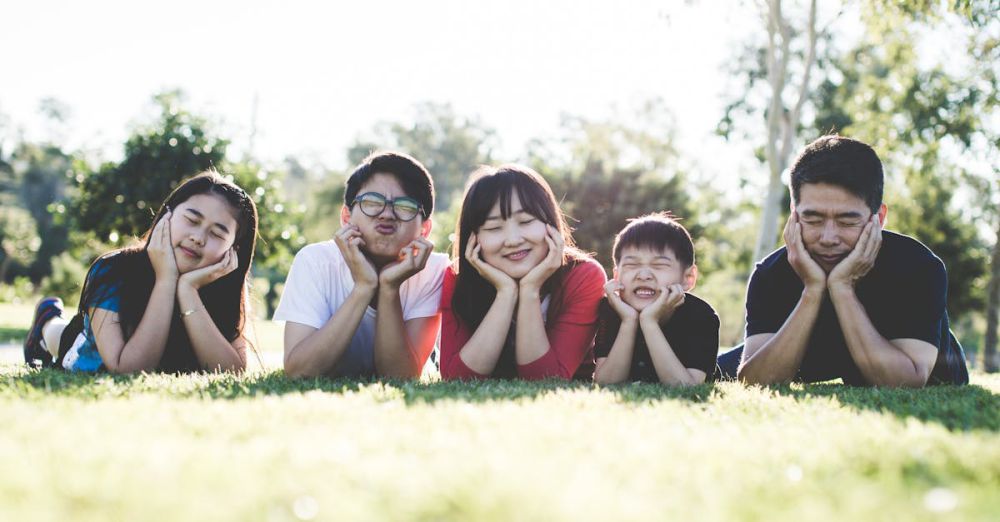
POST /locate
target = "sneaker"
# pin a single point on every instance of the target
(35, 355)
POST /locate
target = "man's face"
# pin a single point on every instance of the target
(385, 234)
(644, 271)
(832, 220)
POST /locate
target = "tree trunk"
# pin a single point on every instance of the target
(782, 123)
(991, 359)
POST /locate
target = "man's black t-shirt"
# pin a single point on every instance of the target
(904, 295)
(693, 334)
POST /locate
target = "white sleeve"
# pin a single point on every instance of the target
(426, 294)
(303, 300)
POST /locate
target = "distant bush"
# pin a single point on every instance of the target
(66, 280)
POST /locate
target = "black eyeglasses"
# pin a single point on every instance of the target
(372, 204)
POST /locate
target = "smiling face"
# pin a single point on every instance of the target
(385, 235)
(202, 229)
(643, 271)
(832, 220)
(514, 245)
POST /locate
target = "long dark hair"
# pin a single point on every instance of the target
(130, 270)
(473, 294)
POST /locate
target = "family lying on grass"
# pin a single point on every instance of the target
(842, 299)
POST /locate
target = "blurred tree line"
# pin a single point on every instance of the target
(58, 212)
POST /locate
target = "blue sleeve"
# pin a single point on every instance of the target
(105, 288)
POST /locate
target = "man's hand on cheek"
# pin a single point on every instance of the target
(349, 241)
(861, 260)
(412, 259)
(811, 274)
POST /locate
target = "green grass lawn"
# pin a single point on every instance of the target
(261, 447)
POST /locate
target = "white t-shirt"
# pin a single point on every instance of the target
(320, 281)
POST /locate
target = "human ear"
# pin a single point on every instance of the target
(614, 273)
(690, 278)
(426, 227)
(345, 215)
(883, 214)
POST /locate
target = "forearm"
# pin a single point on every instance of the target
(145, 347)
(616, 367)
(669, 369)
(881, 363)
(394, 354)
(316, 354)
(531, 341)
(481, 353)
(779, 359)
(213, 350)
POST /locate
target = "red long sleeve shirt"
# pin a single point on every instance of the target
(570, 332)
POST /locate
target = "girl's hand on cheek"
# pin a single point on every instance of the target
(209, 274)
(496, 277)
(160, 249)
(553, 260)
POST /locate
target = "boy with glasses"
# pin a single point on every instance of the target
(366, 303)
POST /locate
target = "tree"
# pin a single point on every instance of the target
(605, 172)
(449, 145)
(46, 178)
(118, 200)
(786, 62)
(18, 240)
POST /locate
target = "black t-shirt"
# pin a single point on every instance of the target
(904, 295)
(693, 334)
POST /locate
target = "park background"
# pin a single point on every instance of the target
(625, 107)
(692, 107)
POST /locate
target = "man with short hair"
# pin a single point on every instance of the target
(844, 298)
(366, 303)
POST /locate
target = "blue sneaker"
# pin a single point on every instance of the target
(35, 355)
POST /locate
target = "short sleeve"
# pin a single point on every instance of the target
(303, 300)
(700, 340)
(765, 312)
(571, 332)
(920, 308)
(426, 289)
(104, 291)
(608, 325)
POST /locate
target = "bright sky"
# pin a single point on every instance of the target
(325, 72)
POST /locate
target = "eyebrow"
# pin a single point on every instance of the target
(816, 213)
(657, 258)
(497, 217)
(202, 216)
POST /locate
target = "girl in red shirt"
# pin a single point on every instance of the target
(520, 301)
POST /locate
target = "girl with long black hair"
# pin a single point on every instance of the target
(175, 303)
(521, 301)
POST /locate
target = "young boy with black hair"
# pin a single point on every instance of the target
(651, 329)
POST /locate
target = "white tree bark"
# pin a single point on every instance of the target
(782, 122)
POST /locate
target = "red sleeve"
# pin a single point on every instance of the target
(571, 332)
(454, 335)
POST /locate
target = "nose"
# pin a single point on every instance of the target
(198, 236)
(387, 212)
(829, 235)
(512, 236)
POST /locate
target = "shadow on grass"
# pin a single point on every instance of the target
(957, 408)
(30, 383)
